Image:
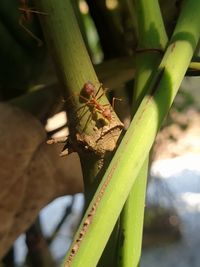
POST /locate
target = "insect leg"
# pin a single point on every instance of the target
(39, 41)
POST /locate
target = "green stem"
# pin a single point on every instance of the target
(119, 178)
(132, 221)
(194, 65)
(89, 129)
(151, 36)
(73, 65)
(133, 213)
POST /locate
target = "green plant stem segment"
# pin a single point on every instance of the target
(152, 40)
(132, 217)
(73, 65)
(131, 221)
(195, 65)
(71, 59)
(91, 134)
(119, 178)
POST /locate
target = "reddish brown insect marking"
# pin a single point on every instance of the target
(107, 114)
(89, 89)
(26, 16)
(25, 10)
(92, 100)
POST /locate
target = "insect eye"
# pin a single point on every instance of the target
(107, 114)
(89, 88)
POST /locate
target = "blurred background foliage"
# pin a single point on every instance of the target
(22, 61)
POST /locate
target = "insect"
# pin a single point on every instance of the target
(92, 100)
(26, 16)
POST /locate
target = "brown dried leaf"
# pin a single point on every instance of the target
(31, 173)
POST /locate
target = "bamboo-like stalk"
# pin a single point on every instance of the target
(131, 222)
(195, 65)
(97, 224)
(133, 213)
(91, 134)
(152, 40)
(73, 65)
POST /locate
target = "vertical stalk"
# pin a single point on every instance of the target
(150, 39)
(131, 222)
(91, 134)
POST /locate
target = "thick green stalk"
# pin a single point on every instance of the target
(131, 222)
(152, 40)
(73, 65)
(119, 178)
(91, 134)
(133, 213)
(195, 65)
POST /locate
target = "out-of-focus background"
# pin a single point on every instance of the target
(171, 226)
